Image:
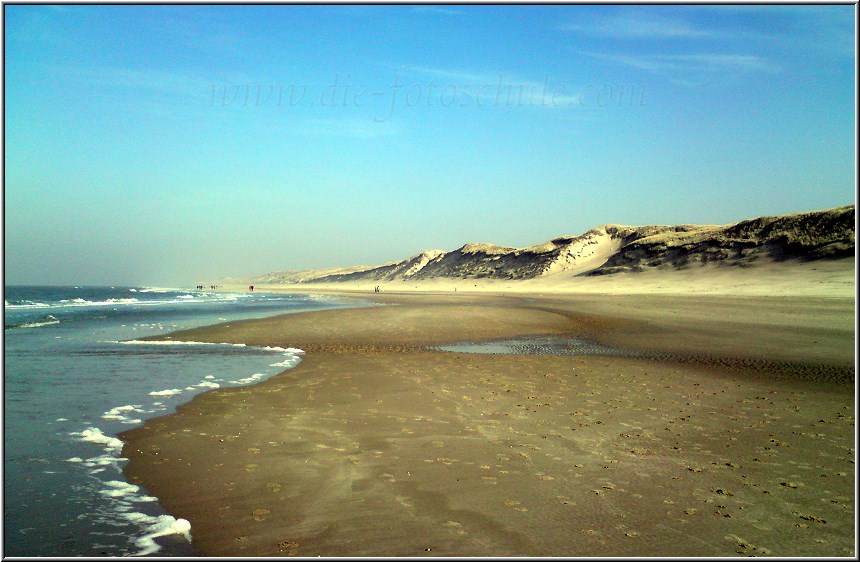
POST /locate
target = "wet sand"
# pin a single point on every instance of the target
(735, 437)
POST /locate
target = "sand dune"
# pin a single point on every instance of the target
(612, 249)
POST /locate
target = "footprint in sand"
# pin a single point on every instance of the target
(260, 514)
(251, 467)
(273, 486)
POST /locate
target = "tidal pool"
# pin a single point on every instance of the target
(540, 345)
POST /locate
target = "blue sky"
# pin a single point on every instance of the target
(178, 144)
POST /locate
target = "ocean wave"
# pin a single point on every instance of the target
(64, 303)
(49, 320)
(184, 298)
(26, 304)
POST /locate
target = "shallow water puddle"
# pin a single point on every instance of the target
(543, 345)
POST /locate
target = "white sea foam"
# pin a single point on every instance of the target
(103, 461)
(253, 378)
(158, 527)
(95, 435)
(119, 413)
(85, 302)
(125, 495)
(175, 342)
(285, 349)
(168, 392)
(287, 363)
(119, 489)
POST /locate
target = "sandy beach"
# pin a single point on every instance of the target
(732, 435)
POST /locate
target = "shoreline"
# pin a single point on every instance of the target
(375, 446)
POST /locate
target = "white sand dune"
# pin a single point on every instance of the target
(800, 253)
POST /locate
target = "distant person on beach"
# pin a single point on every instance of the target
(250, 287)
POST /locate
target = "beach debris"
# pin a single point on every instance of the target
(812, 518)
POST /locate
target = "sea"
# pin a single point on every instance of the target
(76, 374)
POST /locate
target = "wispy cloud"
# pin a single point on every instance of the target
(781, 27)
(452, 75)
(634, 25)
(499, 89)
(692, 69)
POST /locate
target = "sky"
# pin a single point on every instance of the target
(173, 145)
